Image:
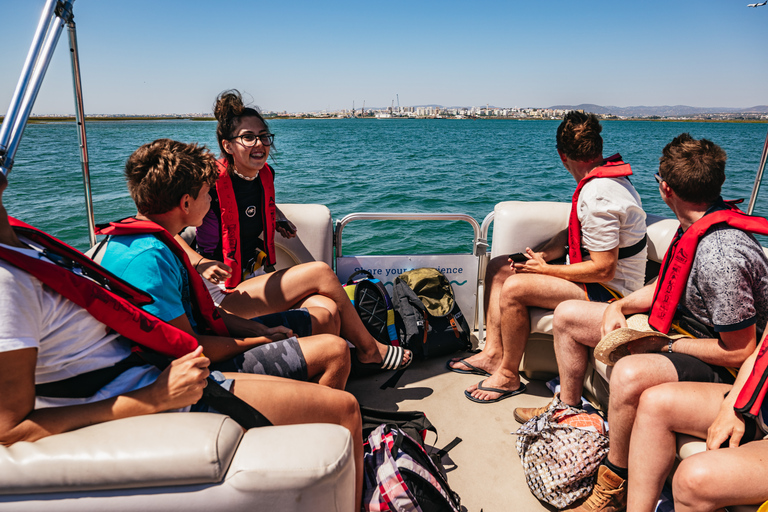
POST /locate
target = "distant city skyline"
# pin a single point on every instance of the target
(169, 56)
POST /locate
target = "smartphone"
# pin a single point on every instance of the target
(286, 226)
(518, 257)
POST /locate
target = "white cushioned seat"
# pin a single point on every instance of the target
(181, 461)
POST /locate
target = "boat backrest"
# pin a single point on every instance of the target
(314, 235)
(521, 224)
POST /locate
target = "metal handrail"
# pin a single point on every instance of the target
(485, 228)
(758, 178)
(403, 216)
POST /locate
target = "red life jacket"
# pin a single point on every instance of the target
(106, 297)
(202, 303)
(230, 220)
(612, 167)
(678, 261)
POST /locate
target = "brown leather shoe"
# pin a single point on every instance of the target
(608, 495)
(523, 414)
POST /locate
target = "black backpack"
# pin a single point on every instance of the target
(428, 319)
(373, 305)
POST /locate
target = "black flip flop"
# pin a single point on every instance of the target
(473, 370)
(505, 393)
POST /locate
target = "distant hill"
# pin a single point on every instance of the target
(664, 111)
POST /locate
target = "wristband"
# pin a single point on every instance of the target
(669, 346)
(199, 261)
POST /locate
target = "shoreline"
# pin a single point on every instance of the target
(71, 119)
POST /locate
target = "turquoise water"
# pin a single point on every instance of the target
(355, 165)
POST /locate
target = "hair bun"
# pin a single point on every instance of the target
(228, 104)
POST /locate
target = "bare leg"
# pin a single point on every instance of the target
(663, 410)
(576, 328)
(718, 478)
(518, 293)
(631, 376)
(324, 314)
(327, 358)
(489, 359)
(286, 288)
(287, 402)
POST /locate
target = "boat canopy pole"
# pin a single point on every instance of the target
(80, 116)
(40, 52)
(758, 178)
(54, 16)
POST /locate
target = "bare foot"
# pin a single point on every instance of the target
(499, 380)
(480, 360)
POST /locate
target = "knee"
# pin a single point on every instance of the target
(628, 380)
(348, 411)
(497, 271)
(511, 291)
(566, 315)
(320, 269)
(496, 265)
(691, 482)
(657, 404)
(336, 348)
(327, 320)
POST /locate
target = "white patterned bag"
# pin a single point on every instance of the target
(560, 460)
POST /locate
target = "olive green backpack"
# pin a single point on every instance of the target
(428, 319)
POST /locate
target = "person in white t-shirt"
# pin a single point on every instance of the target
(45, 338)
(613, 253)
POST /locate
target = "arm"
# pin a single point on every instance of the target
(212, 270)
(615, 315)
(729, 423)
(600, 269)
(220, 348)
(180, 385)
(554, 248)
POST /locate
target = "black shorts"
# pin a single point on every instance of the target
(692, 369)
(598, 292)
(297, 320)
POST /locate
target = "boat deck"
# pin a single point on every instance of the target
(484, 468)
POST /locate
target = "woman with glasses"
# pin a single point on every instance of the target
(236, 247)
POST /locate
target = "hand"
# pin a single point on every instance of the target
(728, 423)
(646, 345)
(182, 382)
(613, 319)
(534, 265)
(214, 271)
(286, 233)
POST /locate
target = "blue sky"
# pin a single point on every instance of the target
(173, 56)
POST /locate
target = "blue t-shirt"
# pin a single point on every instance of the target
(149, 265)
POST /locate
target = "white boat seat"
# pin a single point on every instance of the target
(314, 237)
(181, 461)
